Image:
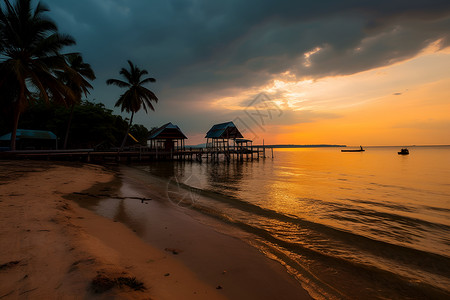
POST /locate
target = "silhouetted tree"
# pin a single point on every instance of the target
(75, 79)
(141, 133)
(136, 96)
(30, 51)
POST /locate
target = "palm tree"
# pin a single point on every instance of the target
(29, 56)
(137, 96)
(75, 79)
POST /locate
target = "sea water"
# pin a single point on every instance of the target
(372, 224)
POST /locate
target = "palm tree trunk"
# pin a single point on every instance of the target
(128, 130)
(68, 127)
(15, 125)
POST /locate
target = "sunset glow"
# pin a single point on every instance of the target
(402, 104)
(335, 73)
(198, 149)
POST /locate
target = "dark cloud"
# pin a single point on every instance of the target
(197, 49)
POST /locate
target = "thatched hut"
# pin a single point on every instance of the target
(219, 136)
(168, 137)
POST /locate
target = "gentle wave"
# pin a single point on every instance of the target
(353, 226)
(321, 238)
(433, 266)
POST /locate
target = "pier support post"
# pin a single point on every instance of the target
(264, 150)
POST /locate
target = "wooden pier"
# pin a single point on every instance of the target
(144, 154)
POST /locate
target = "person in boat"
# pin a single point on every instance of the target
(360, 147)
(404, 151)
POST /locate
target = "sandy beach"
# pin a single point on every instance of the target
(53, 248)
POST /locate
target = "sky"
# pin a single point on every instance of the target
(348, 72)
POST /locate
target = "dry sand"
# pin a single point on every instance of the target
(51, 248)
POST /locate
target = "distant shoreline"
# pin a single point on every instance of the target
(286, 146)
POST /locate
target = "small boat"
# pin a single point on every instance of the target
(404, 151)
(354, 150)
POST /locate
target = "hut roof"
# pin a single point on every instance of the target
(30, 134)
(167, 131)
(224, 131)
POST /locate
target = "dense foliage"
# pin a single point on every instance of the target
(93, 125)
(30, 46)
(41, 87)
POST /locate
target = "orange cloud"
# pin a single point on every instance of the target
(418, 116)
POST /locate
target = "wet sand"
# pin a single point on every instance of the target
(53, 248)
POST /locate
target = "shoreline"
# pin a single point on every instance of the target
(43, 232)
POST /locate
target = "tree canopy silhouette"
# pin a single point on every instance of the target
(136, 96)
(93, 125)
(76, 79)
(30, 48)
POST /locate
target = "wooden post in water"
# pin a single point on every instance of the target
(246, 151)
(264, 150)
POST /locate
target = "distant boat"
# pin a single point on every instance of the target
(354, 150)
(404, 151)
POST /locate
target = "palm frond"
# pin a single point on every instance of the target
(117, 82)
(146, 80)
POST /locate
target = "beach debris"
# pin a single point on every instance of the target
(102, 283)
(111, 196)
(5, 295)
(85, 194)
(64, 206)
(130, 282)
(15, 195)
(167, 274)
(27, 291)
(219, 287)
(173, 250)
(9, 264)
(75, 265)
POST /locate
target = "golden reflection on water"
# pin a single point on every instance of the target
(375, 208)
(323, 184)
(376, 193)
